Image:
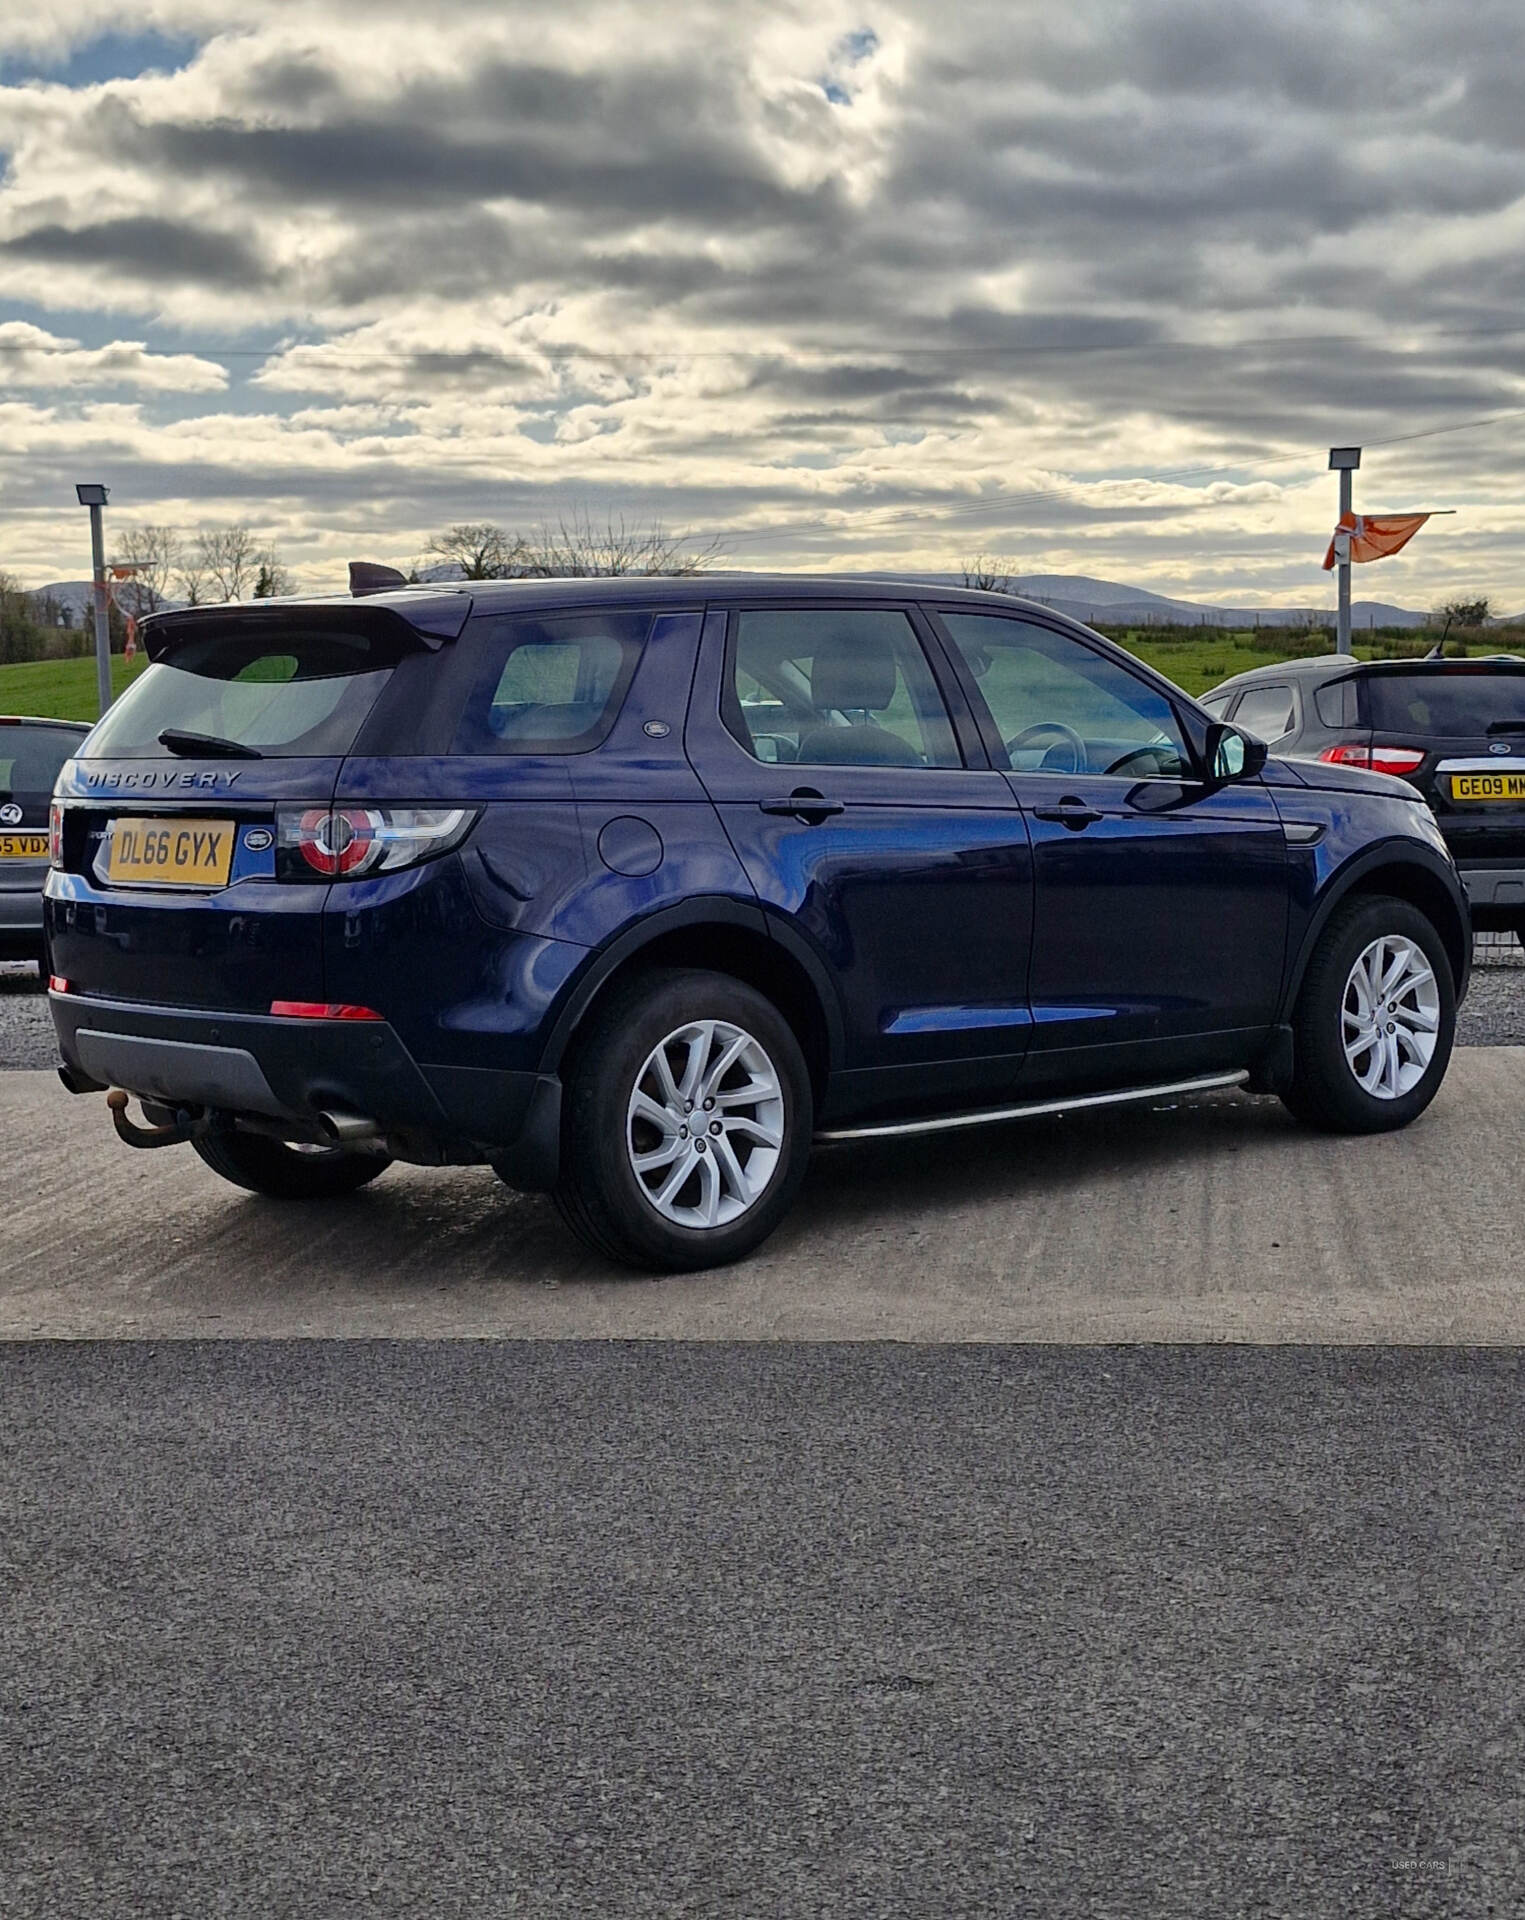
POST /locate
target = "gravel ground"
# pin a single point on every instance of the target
(26, 1032)
(1494, 1015)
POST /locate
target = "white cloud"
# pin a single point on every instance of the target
(32, 357)
(874, 282)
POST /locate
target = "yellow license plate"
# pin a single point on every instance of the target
(1488, 786)
(170, 853)
(23, 846)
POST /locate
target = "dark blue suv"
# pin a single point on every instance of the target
(635, 888)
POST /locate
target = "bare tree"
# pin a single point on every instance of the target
(154, 554)
(191, 579)
(273, 579)
(995, 573)
(577, 549)
(481, 550)
(230, 558)
(1460, 614)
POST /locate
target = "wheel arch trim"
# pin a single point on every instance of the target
(1388, 856)
(720, 911)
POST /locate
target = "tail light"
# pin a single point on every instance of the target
(56, 833)
(344, 843)
(1401, 761)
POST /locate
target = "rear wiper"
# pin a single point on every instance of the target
(1507, 726)
(206, 746)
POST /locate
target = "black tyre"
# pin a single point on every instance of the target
(262, 1165)
(1375, 1020)
(688, 1123)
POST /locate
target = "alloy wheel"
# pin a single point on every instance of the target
(704, 1127)
(1390, 1017)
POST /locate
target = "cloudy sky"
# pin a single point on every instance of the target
(850, 284)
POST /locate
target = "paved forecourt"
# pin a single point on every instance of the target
(1213, 1219)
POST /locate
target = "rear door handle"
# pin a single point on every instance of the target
(1071, 813)
(804, 804)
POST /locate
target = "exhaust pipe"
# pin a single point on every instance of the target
(345, 1129)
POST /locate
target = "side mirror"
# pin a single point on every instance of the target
(1232, 755)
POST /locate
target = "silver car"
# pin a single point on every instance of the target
(31, 754)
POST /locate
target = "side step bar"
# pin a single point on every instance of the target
(987, 1116)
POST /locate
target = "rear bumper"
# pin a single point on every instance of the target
(292, 1072)
(1500, 887)
(21, 917)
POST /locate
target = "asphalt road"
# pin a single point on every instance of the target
(454, 1628)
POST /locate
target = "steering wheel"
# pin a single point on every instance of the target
(1137, 753)
(1067, 735)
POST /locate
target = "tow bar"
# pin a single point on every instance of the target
(183, 1128)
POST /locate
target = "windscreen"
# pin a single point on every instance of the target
(1448, 705)
(284, 692)
(31, 759)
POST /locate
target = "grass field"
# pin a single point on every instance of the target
(65, 689)
(59, 689)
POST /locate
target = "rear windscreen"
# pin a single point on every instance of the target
(285, 693)
(31, 759)
(1449, 705)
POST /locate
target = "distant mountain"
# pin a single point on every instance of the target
(1077, 594)
(1117, 604)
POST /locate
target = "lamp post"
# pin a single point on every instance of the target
(94, 497)
(1343, 461)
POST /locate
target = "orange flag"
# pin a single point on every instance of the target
(1375, 536)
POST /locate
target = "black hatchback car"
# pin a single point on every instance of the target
(1454, 729)
(635, 889)
(32, 754)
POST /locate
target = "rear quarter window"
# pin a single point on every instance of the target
(547, 684)
(287, 692)
(1335, 704)
(31, 759)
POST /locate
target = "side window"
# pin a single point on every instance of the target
(1217, 704)
(1266, 712)
(1336, 704)
(836, 687)
(548, 685)
(1062, 708)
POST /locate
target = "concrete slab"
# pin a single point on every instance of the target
(1216, 1219)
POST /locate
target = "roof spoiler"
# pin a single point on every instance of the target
(433, 615)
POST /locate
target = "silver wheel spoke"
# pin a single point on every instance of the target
(709, 1191)
(662, 1156)
(643, 1107)
(735, 1175)
(678, 1178)
(749, 1095)
(757, 1130)
(729, 1055)
(661, 1066)
(699, 1048)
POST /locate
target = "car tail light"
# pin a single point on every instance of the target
(56, 833)
(322, 1010)
(347, 842)
(1356, 753)
(58, 984)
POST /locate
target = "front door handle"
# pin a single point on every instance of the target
(804, 804)
(1070, 812)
